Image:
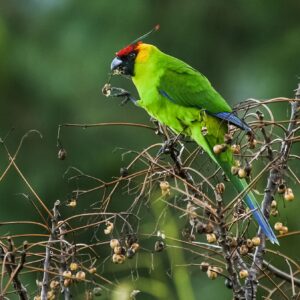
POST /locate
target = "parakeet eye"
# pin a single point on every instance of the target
(132, 55)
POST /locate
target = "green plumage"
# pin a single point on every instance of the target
(182, 98)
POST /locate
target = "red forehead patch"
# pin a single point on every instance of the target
(125, 51)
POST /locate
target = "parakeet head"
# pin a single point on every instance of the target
(125, 58)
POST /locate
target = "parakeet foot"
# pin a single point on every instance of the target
(109, 91)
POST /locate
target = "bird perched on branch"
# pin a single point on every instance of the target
(180, 97)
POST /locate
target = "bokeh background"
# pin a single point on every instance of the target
(55, 57)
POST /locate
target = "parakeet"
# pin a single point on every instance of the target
(183, 99)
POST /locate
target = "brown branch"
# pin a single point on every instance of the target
(275, 175)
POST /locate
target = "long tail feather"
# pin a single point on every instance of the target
(225, 161)
(240, 186)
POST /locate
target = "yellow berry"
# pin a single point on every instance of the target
(114, 243)
(164, 185)
(211, 274)
(92, 270)
(67, 282)
(235, 149)
(204, 266)
(118, 250)
(54, 284)
(284, 230)
(73, 266)
(243, 274)
(278, 226)
(252, 143)
(242, 173)
(72, 203)
(274, 204)
(135, 247)
(211, 238)
(80, 275)
(256, 241)
(244, 250)
(50, 294)
(249, 243)
(67, 274)
(219, 148)
(281, 188)
(118, 258)
(289, 195)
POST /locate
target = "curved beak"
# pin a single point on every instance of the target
(115, 63)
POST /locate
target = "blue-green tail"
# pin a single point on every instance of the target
(225, 160)
(241, 185)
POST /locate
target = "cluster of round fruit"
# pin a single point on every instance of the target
(243, 246)
(281, 228)
(73, 274)
(213, 272)
(121, 252)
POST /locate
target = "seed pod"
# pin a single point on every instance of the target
(218, 149)
(242, 173)
(118, 258)
(114, 243)
(165, 188)
(256, 241)
(159, 246)
(67, 282)
(93, 270)
(211, 238)
(249, 243)
(50, 294)
(67, 274)
(243, 273)
(281, 188)
(274, 212)
(220, 188)
(164, 185)
(278, 226)
(118, 250)
(62, 154)
(72, 203)
(109, 227)
(252, 143)
(244, 250)
(80, 275)
(73, 266)
(135, 247)
(54, 284)
(284, 230)
(235, 149)
(274, 204)
(204, 266)
(289, 195)
(211, 274)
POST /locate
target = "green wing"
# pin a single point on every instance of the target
(185, 86)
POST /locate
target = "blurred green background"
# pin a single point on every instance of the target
(55, 57)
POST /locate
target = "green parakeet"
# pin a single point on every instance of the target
(180, 97)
